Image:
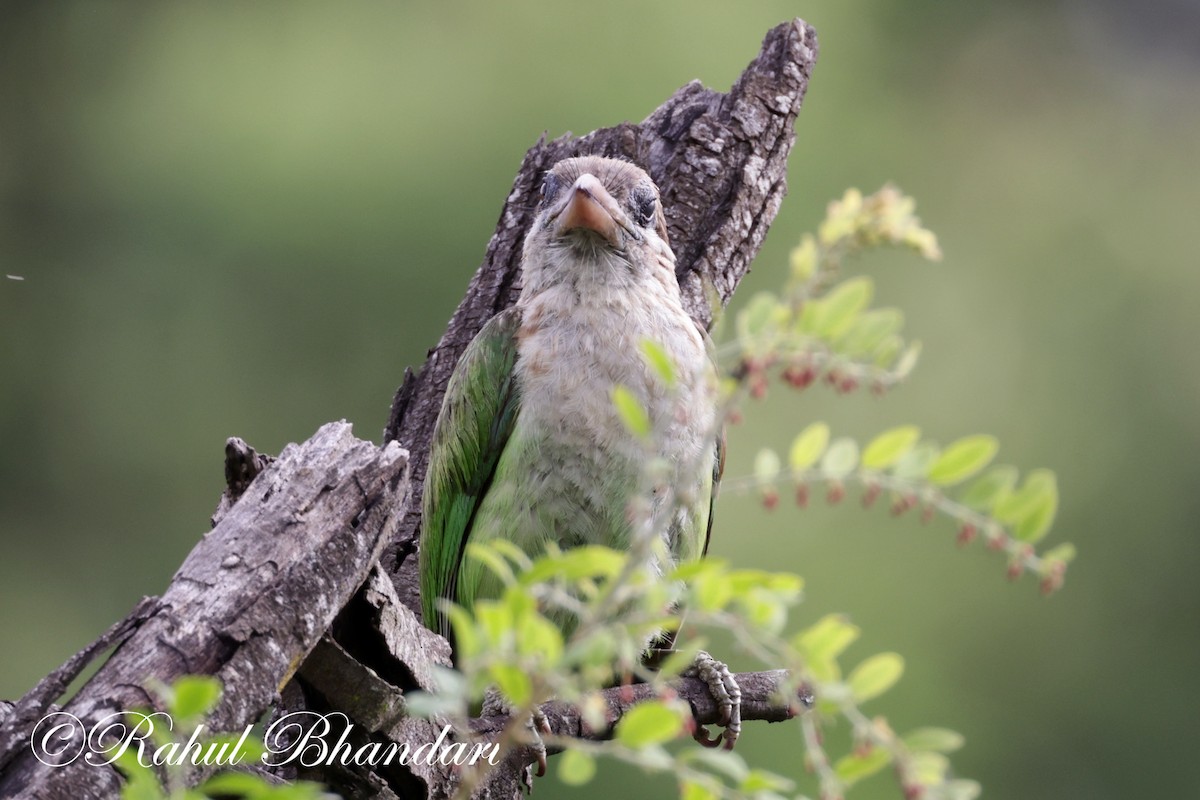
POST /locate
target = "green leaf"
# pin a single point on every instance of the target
(726, 762)
(827, 639)
(537, 636)
(941, 740)
(467, 642)
(194, 696)
(1064, 553)
(853, 768)
(996, 484)
(841, 459)
(1038, 485)
(513, 682)
(659, 361)
(695, 790)
(1036, 523)
(491, 559)
(887, 351)
(839, 309)
(907, 360)
(916, 462)
(929, 768)
(495, 622)
(234, 783)
(869, 331)
(511, 551)
(576, 767)
(631, 411)
(888, 447)
(758, 322)
(766, 466)
(760, 780)
(962, 459)
(585, 561)
(682, 658)
(961, 789)
(803, 259)
(875, 676)
(140, 782)
(649, 723)
(808, 447)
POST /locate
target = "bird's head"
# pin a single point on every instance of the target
(599, 214)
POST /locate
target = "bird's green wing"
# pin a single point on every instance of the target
(718, 467)
(476, 420)
(717, 471)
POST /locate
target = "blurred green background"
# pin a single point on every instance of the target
(247, 219)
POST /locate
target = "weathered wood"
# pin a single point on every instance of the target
(251, 599)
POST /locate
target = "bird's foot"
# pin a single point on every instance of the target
(725, 690)
(494, 704)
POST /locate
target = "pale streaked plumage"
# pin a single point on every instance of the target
(567, 466)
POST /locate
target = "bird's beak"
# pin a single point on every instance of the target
(589, 206)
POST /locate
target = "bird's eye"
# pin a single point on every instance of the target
(642, 204)
(550, 186)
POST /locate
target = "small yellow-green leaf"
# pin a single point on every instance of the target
(141, 783)
(537, 636)
(907, 360)
(996, 484)
(1036, 523)
(890, 446)
(869, 331)
(760, 780)
(808, 447)
(962, 459)
(803, 259)
(875, 676)
(766, 466)
(887, 351)
(726, 762)
(576, 767)
(1019, 504)
(682, 658)
(649, 723)
(841, 458)
(853, 768)
(494, 621)
(491, 559)
(659, 361)
(916, 462)
(466, 642)
(513, 682)
(509, 550)
(929, 769)
(194, 696)
(826, 639)
(842, 305)
(961, 789)
(1063, 553)
(758, 323)
(941, 740)
(632, 412)
(695, 790)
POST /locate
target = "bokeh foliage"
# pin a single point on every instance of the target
(247, 219)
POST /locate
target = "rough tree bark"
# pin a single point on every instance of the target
(304, 594)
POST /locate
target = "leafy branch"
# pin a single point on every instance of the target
(570, 625)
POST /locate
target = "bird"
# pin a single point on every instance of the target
(529, 445)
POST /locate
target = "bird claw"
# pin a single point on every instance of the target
(537, 723)
(728, 695)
